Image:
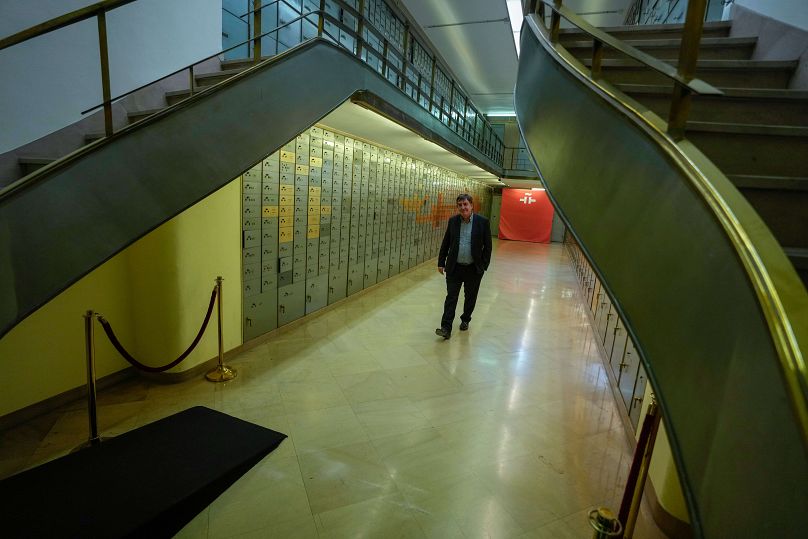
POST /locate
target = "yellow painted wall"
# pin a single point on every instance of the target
(154, 294)
(174, 271)
(44, 355)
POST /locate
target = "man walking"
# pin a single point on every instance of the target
(464, 256)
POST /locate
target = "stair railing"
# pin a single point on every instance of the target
(439, 94)
(684, 83)
(98, 10)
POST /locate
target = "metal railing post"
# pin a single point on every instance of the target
(688, 58)
(105, 85)
(191, 79)
(432, 83)
(555, 22)
(321, 19)
(360, 28)
(257, 31)
(597, 58)
(92, 405)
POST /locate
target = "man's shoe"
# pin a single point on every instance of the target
(464, 326)
(443, 332)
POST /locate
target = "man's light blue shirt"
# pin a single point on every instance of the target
(464, 252)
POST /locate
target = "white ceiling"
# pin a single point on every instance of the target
(366, 124)
(476, 40)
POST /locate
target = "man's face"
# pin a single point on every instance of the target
(464, 209)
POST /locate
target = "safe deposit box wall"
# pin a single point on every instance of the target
(328, 215)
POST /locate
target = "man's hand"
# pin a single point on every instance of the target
(440, 270)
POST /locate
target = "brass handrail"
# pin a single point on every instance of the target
(61, 21)
(786, 337)
(483, 137)
(697, 86)
(214, 55)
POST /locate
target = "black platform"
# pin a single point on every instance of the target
(149, 482)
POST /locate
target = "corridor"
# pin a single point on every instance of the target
(507, 430)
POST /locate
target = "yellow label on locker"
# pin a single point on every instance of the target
(314, 191)
(314, 219)
(287, 234)
(314, 201)
(314, 210)
(325, 210)
(286, 211)
(269, 211)
(288, 190)
(301, 170)
(287, 157)
(313, 232)
(315, 161)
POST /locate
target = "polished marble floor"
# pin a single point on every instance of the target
(507, 430)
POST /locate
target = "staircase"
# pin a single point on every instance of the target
(696, 242)
(29, 163)
(757, 132)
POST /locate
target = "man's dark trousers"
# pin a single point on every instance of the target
(467, 277)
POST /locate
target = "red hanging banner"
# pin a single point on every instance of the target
(526, 215)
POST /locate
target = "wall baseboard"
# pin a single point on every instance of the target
(50, 404)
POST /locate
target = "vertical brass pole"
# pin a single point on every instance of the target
(257, 31)
(638, 473)
(105, 85)
(432, 83)
(451, 102)
(407, 48)
(688, 58)
(219, 318)
(597, 57)
(92, 406)
(221, 372)
(360, 28)
(321, 19)
(384, 59)
(191, 79)
(555, 22)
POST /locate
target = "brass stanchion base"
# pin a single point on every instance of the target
(90, 443)
(221, 373)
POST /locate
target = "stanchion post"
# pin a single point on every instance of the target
(221, 372)
(638, 473)
(92, 407)
(604, 523)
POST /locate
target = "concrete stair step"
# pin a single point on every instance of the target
(758, 150)
(209, 79)
(172, 98)
(712, 48)
(737, 105)
(648, 31)
(799, 258)
(138, 115)
(720, 73)
(29, 164)
(240, 64)
(782, 203)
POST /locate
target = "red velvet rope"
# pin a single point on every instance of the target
(137, 364)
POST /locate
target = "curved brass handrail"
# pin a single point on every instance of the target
(697, 86)
(792, 360)
(769, 308)
(486, 140)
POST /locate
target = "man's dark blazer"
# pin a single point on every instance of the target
(480, 243)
